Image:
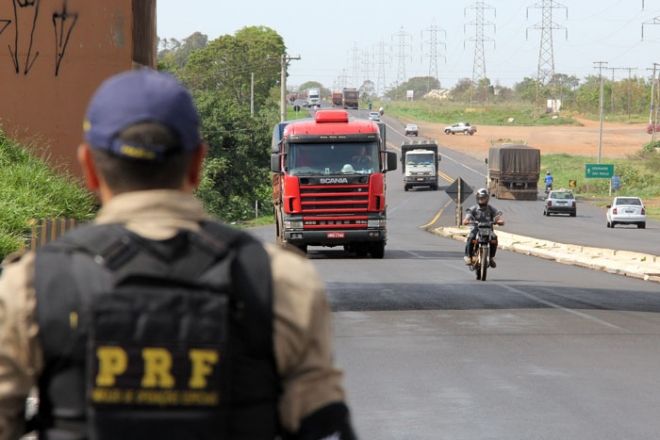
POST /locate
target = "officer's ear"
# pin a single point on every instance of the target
(88, 168)
(194, 175)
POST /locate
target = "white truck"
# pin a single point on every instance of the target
(313, 97)
(419, 162)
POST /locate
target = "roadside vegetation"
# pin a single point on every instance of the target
(31, 190)
(639, 177)
(510, 113)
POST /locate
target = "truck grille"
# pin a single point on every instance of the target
(335, 206)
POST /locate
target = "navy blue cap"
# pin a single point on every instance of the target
(139, 96)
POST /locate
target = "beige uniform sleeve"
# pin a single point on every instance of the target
(20, 351)
(303, 339)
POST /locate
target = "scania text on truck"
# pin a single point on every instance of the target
(351, 98)
(419, 165)
(513, 171)
(329, 183)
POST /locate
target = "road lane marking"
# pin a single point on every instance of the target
(558, 307)
(437, 216)
(445, 176)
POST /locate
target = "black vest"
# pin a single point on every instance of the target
(82, 312)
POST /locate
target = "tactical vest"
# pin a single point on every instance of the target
(154, 339)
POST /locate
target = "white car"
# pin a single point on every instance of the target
(461, 127)
(411, 130)
(626, 210)
(374, 116)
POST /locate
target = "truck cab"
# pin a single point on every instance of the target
(419, 165)
(329, 183)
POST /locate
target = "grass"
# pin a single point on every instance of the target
(30, 189)
(513, 114)
(639, 177)
(253, 223)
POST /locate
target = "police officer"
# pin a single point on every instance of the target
(156, 321)
(481, 212)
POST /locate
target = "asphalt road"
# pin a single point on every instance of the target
(539, 351)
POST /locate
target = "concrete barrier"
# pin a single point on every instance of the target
(627, 263)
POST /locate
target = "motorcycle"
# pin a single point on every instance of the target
(548, 188)
(481, 250)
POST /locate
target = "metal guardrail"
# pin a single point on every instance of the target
(46, 230)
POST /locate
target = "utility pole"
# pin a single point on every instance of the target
(600, 65)
(546, 64)
(403, 44)
(480, 24)
(653, 112)
(433, 42)
(285, 63)
(252, 94)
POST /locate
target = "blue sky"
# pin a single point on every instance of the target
(325, 33)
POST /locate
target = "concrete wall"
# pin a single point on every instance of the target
(53, 55)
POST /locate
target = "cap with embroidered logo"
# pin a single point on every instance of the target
(135, 97)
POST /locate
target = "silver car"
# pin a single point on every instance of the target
(560, 202)
(626, 210)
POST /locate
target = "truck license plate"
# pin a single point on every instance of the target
(335, 235)
(419, 179)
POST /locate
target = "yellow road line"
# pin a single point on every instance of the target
(444, 176)
(437, 216)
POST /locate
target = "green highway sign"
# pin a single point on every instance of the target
(599, 170)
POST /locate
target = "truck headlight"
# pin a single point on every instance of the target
(293, 224)
(378, 223)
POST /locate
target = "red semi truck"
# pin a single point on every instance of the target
(329, 183)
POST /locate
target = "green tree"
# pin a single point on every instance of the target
(420, 85)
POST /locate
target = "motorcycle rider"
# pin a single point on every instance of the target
(548, 181)
(481, 212)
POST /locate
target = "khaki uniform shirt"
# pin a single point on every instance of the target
(302, 336)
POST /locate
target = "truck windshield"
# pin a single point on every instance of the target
(419, 159)
(338, 158)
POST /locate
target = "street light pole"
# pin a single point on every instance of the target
(600, 65)
(285, 62)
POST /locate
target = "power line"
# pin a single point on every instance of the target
(480, 24)
(381, 64)
(546, 63)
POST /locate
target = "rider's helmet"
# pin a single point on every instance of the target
(482, 196)
(547, 173)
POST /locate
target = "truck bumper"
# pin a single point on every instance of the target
(334, 237)
(420, 180)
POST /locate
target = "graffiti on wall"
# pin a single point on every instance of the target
(26, 14)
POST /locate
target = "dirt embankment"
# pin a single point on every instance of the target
(619, 140)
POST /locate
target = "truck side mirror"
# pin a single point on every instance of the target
(391, 161)
(439, 158)
(275, 163)
(486, 161)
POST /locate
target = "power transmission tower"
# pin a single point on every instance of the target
(381, 63)
(546, 65)
(366, 63)
(433, 44)
(355, 66)
(480, 24)
(403, 45)
(652, 22)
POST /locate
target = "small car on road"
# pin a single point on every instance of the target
(461, 127)
(626, 210)
(411, 130)
(560, 201)
(374, 116)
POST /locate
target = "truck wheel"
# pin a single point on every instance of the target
(302, 248)
(361, 250)
(378, 249)
(406, 187)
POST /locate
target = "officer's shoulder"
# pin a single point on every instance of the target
(288, 262)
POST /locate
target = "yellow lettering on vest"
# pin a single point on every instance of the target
(202, 366)
(157, 365)
(112, 362)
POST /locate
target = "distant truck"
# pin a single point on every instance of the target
(419, 165)
(513, 171)
(350, 98)
(313, 97)
(337, 99)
